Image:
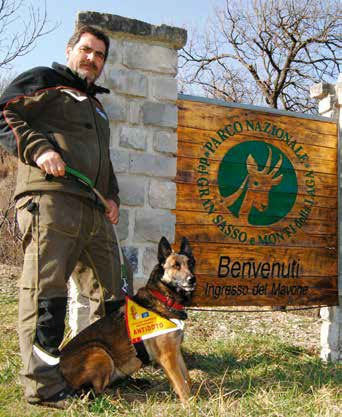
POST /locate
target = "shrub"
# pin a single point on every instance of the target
(10, 242)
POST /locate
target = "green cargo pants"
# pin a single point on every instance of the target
(60, 231)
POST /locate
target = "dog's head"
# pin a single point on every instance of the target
(178, 268)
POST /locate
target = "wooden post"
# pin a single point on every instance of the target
(330, 105)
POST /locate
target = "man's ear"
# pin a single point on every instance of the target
(164, 250)
(67, 52)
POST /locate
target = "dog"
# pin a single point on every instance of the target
(103, 352)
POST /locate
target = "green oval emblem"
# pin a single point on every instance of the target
(257, 180)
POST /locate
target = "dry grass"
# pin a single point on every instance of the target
(241, 365)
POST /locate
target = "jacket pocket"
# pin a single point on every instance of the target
(23, 213)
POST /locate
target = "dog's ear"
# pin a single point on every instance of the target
(185, 248)
(164, 250)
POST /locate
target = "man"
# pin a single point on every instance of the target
(52, 118)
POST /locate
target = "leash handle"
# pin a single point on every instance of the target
(83, 179)
(79, 175)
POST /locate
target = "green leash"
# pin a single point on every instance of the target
(81, 178)
(88, 182)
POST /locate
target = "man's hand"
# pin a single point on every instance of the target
(51, 163)
(113, 213)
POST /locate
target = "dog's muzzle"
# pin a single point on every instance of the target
(190, 283)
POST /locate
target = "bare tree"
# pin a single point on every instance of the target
(10, 240)
(266, 52)
(21, 25)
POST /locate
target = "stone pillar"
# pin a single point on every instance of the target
(330, 105)
(140, 72)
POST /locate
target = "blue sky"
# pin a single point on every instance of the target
(180, 13)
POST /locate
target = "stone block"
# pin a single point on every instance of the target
(320, 90)
(151, 225)
(336, 356)
(331, 314)
(338, 90)
(325, 354)
(174, 36)
(114, 53)
(114, 135)
(127, 82)
(149, 57)
(162, 194)
(133, 138)
(138, 283)
(153, 165)
(123, 225)
(330, 335)
(134, 112)
(132, 190)
(328, 355)
(150, 259)
(131, 254)
(160, 114)
(115, 107)
(120, 160)
(326, 313)
(163, 88)
(334, 336)
(326, 104)
(165, 141)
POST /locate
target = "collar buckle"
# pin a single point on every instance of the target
(169, 302)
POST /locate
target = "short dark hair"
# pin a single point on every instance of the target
(80, 30)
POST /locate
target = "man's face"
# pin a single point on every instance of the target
(87, 57)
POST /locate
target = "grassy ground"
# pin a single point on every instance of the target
(256, 364)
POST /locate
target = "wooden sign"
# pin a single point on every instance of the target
(257, 198)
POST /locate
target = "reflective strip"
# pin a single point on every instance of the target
(75, 94)
(45, 357)
(178, 323)
(101, 113)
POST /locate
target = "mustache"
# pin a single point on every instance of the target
(89, 64)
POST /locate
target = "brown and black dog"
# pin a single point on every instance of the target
(103, 352)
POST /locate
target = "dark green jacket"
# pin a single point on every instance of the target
(51, 108)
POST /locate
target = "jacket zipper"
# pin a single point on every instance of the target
(98, 140)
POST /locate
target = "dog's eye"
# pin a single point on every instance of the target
(177, 265)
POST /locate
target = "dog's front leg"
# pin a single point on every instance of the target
(184, 369)
(170, 364)
(166, 351)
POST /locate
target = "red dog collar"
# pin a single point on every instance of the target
(169, 302)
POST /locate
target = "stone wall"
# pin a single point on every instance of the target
(330, 105)
(140, 72)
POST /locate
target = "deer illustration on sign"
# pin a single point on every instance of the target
(255, 180)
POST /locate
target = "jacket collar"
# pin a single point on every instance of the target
(78, 82)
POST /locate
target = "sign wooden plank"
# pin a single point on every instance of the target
(314, 138)
(324, 184)
(257, 198)
(195, 114)
(324, 160)
(188, 200)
